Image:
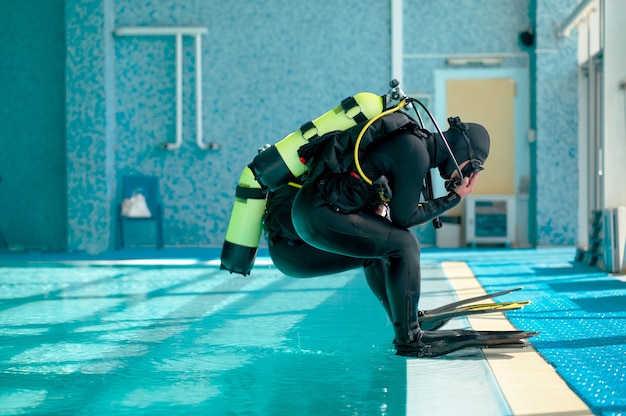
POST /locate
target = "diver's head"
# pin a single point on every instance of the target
(468, 142)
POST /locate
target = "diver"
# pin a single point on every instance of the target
(342, 192)
(309, 236)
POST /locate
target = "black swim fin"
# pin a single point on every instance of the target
(430, 321)
(434, 319)
(438, 343)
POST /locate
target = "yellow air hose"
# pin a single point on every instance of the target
(360, 137)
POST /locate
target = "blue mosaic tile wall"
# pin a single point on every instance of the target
(557, 127)
(433, 29)
(32, 127)
(89, 94)
(268, 68)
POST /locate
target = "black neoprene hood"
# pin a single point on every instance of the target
(478, 141)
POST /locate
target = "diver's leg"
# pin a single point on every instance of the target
(302, 260)
(375, 274)
(367, 236)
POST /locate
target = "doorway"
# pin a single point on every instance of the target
(498, 99)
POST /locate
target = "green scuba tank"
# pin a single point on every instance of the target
(276, 166)
(244, 230)
(280, 164)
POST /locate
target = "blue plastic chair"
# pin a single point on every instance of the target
(149, 187)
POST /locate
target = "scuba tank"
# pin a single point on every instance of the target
(244, 230)
(276, 166)
(279, 164)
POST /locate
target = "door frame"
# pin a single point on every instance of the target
(523, 135)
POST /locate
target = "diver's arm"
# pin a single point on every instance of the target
(406, 207)
(426, 211)
(467, 185)
(404, 161)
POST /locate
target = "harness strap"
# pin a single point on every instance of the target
(307, 127)
(456, 123)
(249, 193)
(348, 104)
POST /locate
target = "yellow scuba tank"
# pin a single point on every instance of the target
(279, 164)
(244, 230)
(276, 166)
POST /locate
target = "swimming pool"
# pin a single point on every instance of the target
(183, 337)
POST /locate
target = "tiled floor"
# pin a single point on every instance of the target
(529, 384)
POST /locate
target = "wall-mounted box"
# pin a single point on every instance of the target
(490, 219)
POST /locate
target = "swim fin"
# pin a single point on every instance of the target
(438, 343)
(454, 305)
(430, 321)
(434, 319)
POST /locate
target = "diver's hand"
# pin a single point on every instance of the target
(467, 186)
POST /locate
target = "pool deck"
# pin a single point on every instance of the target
(529, 384)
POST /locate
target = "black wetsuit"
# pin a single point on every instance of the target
(315, 237)
(385, 247)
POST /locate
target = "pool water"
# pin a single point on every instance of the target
(118, 339)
